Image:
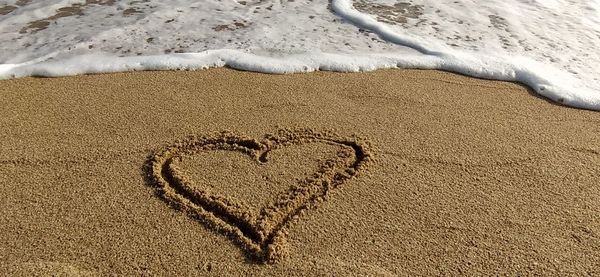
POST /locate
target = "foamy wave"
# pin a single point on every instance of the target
(543, 79)
(412, 52)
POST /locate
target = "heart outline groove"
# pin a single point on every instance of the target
(262, 235)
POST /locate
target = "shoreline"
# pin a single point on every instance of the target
(560, 88)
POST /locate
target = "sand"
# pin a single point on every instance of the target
(222, 172)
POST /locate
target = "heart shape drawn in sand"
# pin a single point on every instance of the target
(261, 234)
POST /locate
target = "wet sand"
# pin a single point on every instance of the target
(223, 172)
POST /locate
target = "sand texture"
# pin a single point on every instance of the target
(222, 172)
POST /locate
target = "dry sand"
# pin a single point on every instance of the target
(393, 172)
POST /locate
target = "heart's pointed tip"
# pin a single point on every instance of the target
(276, 252)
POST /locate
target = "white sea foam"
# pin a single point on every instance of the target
(547, 45)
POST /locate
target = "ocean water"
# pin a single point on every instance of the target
(548, 45)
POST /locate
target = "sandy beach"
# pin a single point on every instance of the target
(224, 172)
